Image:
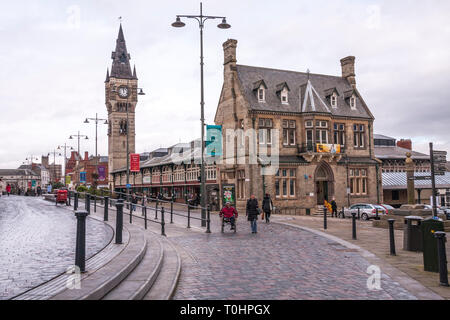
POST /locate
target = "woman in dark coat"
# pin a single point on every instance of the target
(252, 212)
(267, 206)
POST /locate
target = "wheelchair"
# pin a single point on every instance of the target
(227, 221)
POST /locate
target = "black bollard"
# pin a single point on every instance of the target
(75, 201)
(119, 221)
(95, 203)
(391, 236)
(145, 217)
(442, 256)
(189, 216)
(353, 225)
(105, 214)
(156, 210)
(325, 217)
(171, 211)
(208, 217)
(131, 213)
(88, 203)
(163, 223)
(80, 250)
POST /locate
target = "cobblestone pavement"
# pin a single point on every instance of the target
(280, 262)
(38, 242)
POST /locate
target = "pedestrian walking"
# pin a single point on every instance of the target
(39, 191)
(8, 189)
(334, 208)
(133, 202)
(267, 207)
(252, 212)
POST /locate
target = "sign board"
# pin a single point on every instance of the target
(228, 194)
(440, 160)
(146, 179)
(101, 170)
(82, 177)
(33, 183)
(68, 180)
(328, 148)
(134, 162)
(128, 186)
(213, 140)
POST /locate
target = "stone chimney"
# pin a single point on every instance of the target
(44, 161)
(405, 143)
(229, 51)
(348, 70)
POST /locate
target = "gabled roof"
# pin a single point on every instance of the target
(258, 84)
(281, 86)
(298, 81)
(330, 91)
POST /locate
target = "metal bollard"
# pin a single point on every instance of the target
(119, 221)
(156, 210)
(88, 203)
(391, 236)
(208, 217)
(75, 201)
(80, 250)
(145, 217)
(442, 255)
(95, 203)
(189, 216)
(163, 223)
(359, 216)
(325, 217)
(105, 214)
(131, 212)
(171, 211)
(353, 225)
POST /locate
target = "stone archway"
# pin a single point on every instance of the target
(324, 181)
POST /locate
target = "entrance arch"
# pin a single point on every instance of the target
(324, 180)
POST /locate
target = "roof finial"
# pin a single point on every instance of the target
(120, 19)
(307, 72)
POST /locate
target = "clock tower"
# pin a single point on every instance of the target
(121, 87)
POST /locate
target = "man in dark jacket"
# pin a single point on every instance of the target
(333, 208)
(267, 206)
(252, 212)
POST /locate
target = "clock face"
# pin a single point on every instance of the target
(123, 92)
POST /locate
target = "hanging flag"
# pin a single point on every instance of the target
(134, 162)
(213, 140)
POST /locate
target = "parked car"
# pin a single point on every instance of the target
(366, 210)
(439, 210)
(388, 207)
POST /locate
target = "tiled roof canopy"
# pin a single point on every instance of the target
(297, 82)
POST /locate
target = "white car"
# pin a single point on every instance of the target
(366, 211)
(438, 209)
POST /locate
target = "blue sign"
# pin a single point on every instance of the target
(128, 186)
(83, 177)
(213, 141)
(49, 188)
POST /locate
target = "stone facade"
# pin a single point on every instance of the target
(317, 109)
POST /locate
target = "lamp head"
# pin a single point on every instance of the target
(224, 24)
(141, 92)
(86, 121)
(178, 23)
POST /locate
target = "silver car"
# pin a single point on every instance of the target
(366, 211)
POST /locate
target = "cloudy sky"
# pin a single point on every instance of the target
(54, 56)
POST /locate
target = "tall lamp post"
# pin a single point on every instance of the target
(96, 119)
(140, 93)
(79, 136)
(201, 23)
(65, 147)
(54, 152)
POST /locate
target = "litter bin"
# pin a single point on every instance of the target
(412, 234)
(430, 250)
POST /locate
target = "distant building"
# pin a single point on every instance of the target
(392, 153)
(20, 180)
(40, 170)
(95, 169)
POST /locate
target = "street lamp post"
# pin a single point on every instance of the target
(224, 25)
(65, 147)
(79, 136)
(54, 152)
(96, 119)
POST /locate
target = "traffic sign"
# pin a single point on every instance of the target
(128, 186)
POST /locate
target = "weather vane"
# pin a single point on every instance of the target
(120, 19)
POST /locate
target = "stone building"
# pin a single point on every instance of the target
(20, 180)
(325, 136)
(95, 168)
(121, 98)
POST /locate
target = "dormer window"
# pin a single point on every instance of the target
(282, 91)
(261, 94)
(284, 96)
(333, 100)
(353, 102)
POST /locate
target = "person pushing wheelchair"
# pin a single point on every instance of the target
(229, 212)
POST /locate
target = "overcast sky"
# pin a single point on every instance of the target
(54, 56)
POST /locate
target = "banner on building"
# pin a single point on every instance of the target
(33, 183)
(328, 148)
(134, 162)
(83, 177)
(213, 141)
(101, 170)
(228, 194)
(68, 180)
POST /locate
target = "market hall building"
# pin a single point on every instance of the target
(325, 136)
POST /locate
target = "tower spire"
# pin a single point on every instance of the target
(134, 72)
(107, 75)
(121, 58)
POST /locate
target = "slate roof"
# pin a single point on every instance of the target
(121, 60)
(398, 153)
(298, 85)
(17, 172)
(397, 180)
